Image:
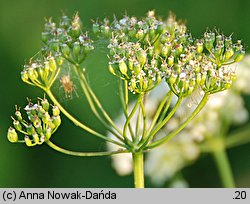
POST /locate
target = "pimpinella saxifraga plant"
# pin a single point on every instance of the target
(142, 53)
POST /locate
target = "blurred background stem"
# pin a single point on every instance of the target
(224, 167)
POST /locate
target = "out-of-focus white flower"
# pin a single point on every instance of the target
(162, 163)
(243, 73)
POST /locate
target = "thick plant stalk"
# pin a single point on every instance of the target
(224, 168)
(138, 165)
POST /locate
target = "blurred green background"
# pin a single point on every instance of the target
(21, 23)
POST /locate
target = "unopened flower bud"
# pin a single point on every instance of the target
(38, 126)
(48, 133)
(46, 117)
(123, 67)
(45, 36)
(228, 41)
(52, 64)
(76, 49)
(45, 104)
(17, 125)
(140, 34)
(170, 60)
(199, 46)
(24, 76)
(111, 69)
(18, 115)
(141, 56)
(56, 120)
(35, 138)
(208, 43)
(30, 129)
(56, 111)
(65, 50)
(239, 55)
(229, 53)
(96, 28)
(165, 37)
(32, 73)
(12, 135)
(28, 141)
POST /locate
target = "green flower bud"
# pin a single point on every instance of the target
(12, 135)
(54, 44)
(172, 78)
(111, 69)
(123, 67)
(17, 125)
(32, 73)
(96, 28)
(228, 41)
(45, 104)
(190, 90)
(28, 141)
(48, 133)
(59, 59)
(105, 29)
(239, 55)
(52, 64)
(18, 115)
(130, 63)
(45, 36)
(56, 111)
(76, 49)
(218, 50)
(170, 60)
(166, 49)
(160, 28)
(46, 117)
(141, 56)
(24, 76)
(140, 34)
(208, 43)
(65, 22)
(35, 138)
(198, 78)
(229, 53)
(46, 67)
(65, 50)
(165, 37)
(30, 129)
(137, 68)
(56, 120)
(199, 46)
(38, 126)
(40, 111)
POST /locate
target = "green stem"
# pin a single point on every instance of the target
(158, 112)
(82, 154)
(99, 105)
(78, 123)
(224, 168)
(138, 169)
(144, 119)
(130, 117)
(124, 101)
(242, 136)
(183, 125)
(93, 108)
(160, 125)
